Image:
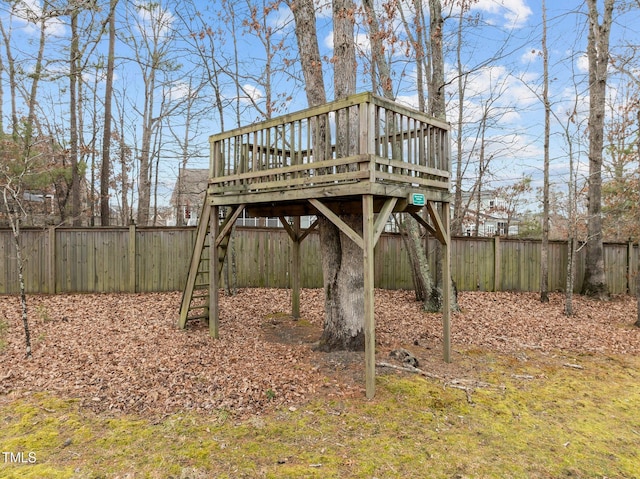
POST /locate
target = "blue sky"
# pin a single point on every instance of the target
(500, 57)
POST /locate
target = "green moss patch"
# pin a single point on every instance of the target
(535, 418)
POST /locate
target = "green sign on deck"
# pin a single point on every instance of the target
(417, 199)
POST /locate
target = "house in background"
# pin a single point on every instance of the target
(188, 195)
(496, 216)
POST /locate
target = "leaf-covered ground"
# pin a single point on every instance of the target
(123, 352)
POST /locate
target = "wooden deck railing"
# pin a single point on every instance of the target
(360, 138)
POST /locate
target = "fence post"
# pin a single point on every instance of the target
(51, 257)
(497, 259)
(132, 258)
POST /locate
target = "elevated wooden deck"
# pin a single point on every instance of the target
(363, 145)
(362, 155)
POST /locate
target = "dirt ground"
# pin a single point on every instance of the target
(124, 353)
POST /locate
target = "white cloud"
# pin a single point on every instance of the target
(362, 42)
(583, 63)
(247, 95)
(154, 20)
(280, 18)
(408, 100)
(497, 92)
(361, 39)
(178, 91)
(251, 94)
(530, 56)
(514, 12)
(328, 40)
(572, 105)
(30, 13)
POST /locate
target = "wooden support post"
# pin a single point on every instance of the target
(214, 273)
(297, 236)
(132, 258)
(446, 284)
(368, 236)
(296, 264)
(51, 274)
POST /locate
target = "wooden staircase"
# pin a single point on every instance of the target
(196, 295)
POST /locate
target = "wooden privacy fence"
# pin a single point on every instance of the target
(157, 259)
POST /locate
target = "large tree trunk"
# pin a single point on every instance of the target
(598, 55)
(342, 260)
(144, 172)
(342, 268)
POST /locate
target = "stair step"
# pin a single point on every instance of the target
(196, 307)
(195, 301)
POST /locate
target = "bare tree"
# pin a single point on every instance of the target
(620, 202)
(477, 113)
(598, 57)
(423, 283)
(544, 253)
(105, 170)
(125, 160)
(11, 195)
(458, 210)
(572, 144)
(509, 200)
(1, 94)
(74, 73)
(151, 39)
(16, 172)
